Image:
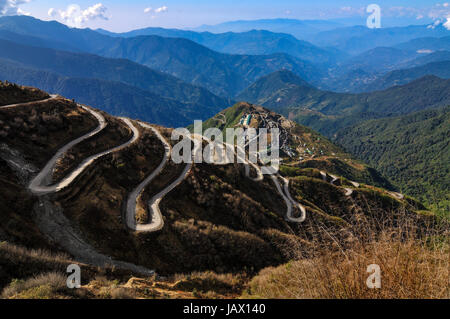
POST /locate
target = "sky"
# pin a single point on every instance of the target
(120, 16)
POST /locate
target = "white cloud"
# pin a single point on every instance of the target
(74, 16)
(162, 9)
(52, 12)
(11, 7)
(425, 51)
(351, 11)
(447, 23)
(156, 11)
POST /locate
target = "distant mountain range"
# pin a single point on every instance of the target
(120, 86)
(301, 29)
(357, 39)
(255, 42)
(401, 77)
(222, 74)
(426, 44)
(194, 81)
(382, 68)
(328, 112)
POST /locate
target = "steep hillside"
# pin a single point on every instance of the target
(412, 150)
(301, 148)
(328, 111)
(128, 205)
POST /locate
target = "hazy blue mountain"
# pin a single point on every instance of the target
(36, 41)
(364, 68)
(438, 56)
(426, 44)
(401, 77)
(84, 40)
(358, 39)
(378, 59)
(113, 97)
(301, 29)
(381, 68)
(255, 42)
(69, 65)
(223, 74)
(328, 112)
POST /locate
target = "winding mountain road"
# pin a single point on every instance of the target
(397, 195)
(52, 97)
(44, 175)
(302, 208)
(334, 179)
(157, 221)
(38, 184)
(348, 191)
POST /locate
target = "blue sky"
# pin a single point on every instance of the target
(118, 15)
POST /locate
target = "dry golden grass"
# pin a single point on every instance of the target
(43, 286)
(209, 283)
(410, 269)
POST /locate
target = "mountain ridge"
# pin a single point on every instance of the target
(329, 111)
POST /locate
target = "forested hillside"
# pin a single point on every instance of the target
(412, 150)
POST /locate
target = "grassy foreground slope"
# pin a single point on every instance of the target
(412, 150)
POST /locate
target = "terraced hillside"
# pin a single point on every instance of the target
(105, 191)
